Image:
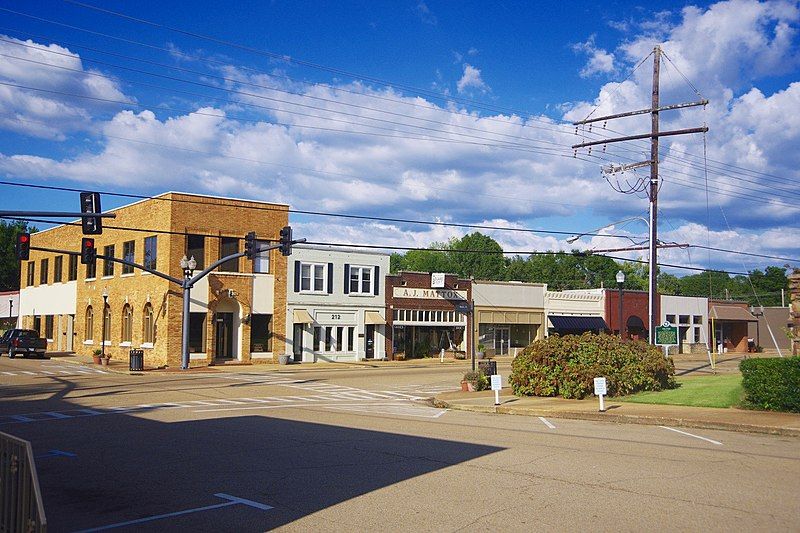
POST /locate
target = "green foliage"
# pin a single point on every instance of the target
(478, 379)
(478, 256)
(567, 366)
(9, 264)
(772, 383)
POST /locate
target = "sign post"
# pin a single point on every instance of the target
(600, 390)
(666, 336)
(497, 384)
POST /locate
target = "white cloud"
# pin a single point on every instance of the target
(600, 61)
(471, 79)
(425, 14)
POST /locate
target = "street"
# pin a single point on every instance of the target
(357, 449)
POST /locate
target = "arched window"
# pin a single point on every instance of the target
(148, 325)
(89, 325)
(107, 324)
(127, 323)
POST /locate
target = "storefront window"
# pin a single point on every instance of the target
(261, 333)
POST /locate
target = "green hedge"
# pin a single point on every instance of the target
(772, 383)
(566, 366)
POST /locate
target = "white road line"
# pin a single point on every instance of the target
(232, 500)
(57, 415)
(21, 418)
(546, 422)
(9, 373)
(691, 435)
(27, 372)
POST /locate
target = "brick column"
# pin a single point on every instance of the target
(794, 293)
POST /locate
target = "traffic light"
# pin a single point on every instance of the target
(286, 240)
(250, 247)
(23, 246)
(90, 204)
(88, 251)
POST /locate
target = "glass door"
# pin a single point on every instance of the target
(502, 337)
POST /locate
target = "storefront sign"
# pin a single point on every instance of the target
(429, 294)
(437, 280)
(335, 318)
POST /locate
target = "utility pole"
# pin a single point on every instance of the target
(652, 190)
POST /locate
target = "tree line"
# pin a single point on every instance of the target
(479, 256)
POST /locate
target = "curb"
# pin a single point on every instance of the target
(620, 418)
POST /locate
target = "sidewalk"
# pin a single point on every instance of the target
(121, 366)
(741, 420)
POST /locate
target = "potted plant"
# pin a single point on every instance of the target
(104, 360)
(96, 356)
(481, 351)
(470, 381)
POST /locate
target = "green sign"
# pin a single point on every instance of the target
(666, 335)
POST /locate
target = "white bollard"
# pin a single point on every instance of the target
(441, 356)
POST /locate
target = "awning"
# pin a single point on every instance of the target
(577, 323)
(634, 322)
(373, 317)
(732, 313)
(301, 316)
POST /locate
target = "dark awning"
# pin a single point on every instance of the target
(578, 323)
(731, 313)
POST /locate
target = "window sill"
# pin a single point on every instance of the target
(318, 293)
(128, 275)
(125, 344)
(107, 343)
(90, 279)
(363, 294)
(108, 277)
(88, 343)
(146, 345)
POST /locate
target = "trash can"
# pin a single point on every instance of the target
(489, 368)
(136, 360)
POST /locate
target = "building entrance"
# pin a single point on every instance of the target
(502, 339)
(297, 342)
(369, 342)
(224, 336)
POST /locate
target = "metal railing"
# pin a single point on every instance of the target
(21, 507)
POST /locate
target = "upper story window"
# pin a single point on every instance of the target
(151, 252)
(196, 247)
(228, 246)
(360, 281)
(88, 329)
(72, 274)
(44, 272)
(261, 262)
(31, 273)
(313, 277)
(58, 269)
(128, 254)
(108, 266)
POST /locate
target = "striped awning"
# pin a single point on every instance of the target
(578, 323)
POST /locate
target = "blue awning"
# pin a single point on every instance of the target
(578, 323)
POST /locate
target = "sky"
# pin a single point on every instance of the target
(418, 111)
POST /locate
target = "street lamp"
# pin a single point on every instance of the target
(578, 236)
(620, 282)
(188, 266)
(103, 335)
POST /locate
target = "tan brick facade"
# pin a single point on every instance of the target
(169, 217)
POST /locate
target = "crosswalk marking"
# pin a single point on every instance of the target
(50, 369)
(399, 410)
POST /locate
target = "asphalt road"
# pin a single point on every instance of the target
(355, 450)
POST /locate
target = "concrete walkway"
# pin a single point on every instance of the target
(623, 412)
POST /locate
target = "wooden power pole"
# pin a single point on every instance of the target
(654, 135)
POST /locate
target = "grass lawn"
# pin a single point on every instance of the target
(703, 391)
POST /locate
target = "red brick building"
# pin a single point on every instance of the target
(426, 313)
(635, 315)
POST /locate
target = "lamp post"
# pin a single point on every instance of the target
(188, 266)
(620, 282)
(103, 335)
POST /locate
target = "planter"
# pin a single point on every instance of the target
(104, 360)
(96, 359)
(464, 386)
(479, 355)
(283, 359)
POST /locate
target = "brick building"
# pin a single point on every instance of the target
(729, 325)
(234, 311)
(424, 314)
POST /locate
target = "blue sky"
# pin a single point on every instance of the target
(449, 111)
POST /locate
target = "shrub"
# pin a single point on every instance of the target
(772, 383)
(567, 366)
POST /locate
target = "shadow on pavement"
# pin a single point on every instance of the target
(126, 467)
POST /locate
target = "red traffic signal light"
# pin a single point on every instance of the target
(88, 251)
(23, 246)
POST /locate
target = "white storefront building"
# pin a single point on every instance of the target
(335, 304)
(690, 315)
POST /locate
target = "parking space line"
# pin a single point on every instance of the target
(546, 422)
(692, 435)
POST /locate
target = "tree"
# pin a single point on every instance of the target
(478, 256)
(9, 264)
